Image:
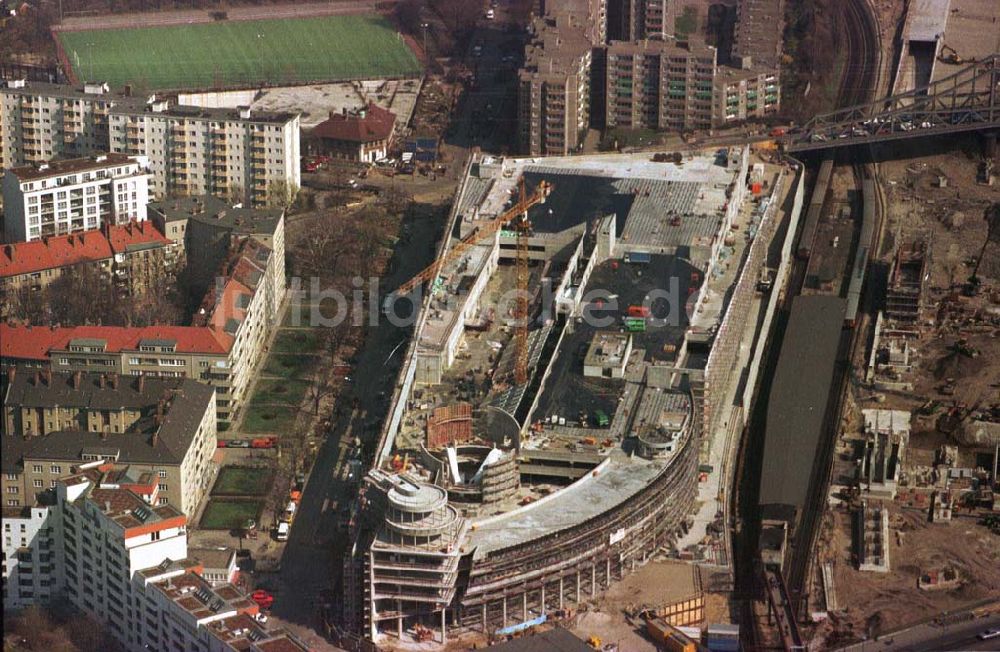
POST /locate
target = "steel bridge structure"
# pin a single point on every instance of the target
(968, 100)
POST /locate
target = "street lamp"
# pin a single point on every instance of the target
(260, 53)
(424, 27)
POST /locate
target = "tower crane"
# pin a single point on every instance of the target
(517, 213)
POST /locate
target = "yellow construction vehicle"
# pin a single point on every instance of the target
(594, 642)
(949, 55)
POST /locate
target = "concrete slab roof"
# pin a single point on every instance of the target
(598, 492)
(926, 19)
(799, 396)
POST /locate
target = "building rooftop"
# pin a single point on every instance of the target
(87, 246)
(799, 395)
(372, 124)
(926, 20)
(611, 483)
(664, 46)
(212, 210)
(121, 103)
(35, 342)
(557, 46)
(53, 169)
(183, 402)
(122, 505)
(195, 595)
(213, 557)
(554, 640)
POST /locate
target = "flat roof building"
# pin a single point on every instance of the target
(660, 84)
(554, 86)
(104, 544)
(797, 405)
(62, 197)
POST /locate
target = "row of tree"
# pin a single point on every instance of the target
(85, 295)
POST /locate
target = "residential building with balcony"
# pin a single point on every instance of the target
(554, 86)
(751, 94)
(243, 155)
(29, 570)
(759, 33)
(162, 430)
(63, 197)
(634, 20)
(123, 560)
(40, 122)
(246, 157)
(661, 85)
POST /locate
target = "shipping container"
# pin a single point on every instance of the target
(638, 311)
(635, 325)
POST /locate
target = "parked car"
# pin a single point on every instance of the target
(238, 443)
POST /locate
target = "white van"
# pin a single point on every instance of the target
(283, 528)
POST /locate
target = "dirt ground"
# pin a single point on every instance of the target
(655, 584)
(951, 216)
(890, 600)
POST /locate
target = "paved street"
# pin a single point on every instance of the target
(934, 638)
(311, 560)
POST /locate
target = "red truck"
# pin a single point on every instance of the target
(264, 442)
(263, 599)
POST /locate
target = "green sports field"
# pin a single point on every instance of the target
(236, 53)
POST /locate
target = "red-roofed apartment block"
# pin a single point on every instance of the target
(222, 347)
(131, 254)
(363, 135)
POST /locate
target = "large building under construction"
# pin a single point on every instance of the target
(545, 432)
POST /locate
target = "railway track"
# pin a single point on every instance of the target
(857, 87)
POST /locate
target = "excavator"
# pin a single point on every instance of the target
(949, 55)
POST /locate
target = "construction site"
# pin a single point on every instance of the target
(570, 400)
(912, 524)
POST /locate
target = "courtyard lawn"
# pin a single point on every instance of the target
(229, 513)
(290, 366)
(243, 481)
(298, 341)
(269, 418)
(279, 390)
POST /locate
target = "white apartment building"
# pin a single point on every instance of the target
(239, 154)
(28, 556)
(122, 560)
(64, 197)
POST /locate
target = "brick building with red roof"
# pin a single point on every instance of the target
(131, 254)
(363, 135)
(226, 338)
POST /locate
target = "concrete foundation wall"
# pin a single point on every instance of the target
(781, 277)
